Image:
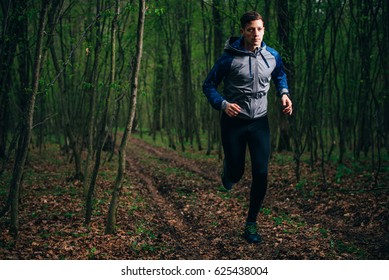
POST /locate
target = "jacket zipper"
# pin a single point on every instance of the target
(264, 59)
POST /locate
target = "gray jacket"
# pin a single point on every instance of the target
(246, 77)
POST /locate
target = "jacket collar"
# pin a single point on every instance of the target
(235, 44)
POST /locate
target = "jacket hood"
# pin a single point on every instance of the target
(235, 45)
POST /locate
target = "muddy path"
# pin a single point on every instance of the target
(172, 206)
(175, 186)
(170, 221)
(201, 221)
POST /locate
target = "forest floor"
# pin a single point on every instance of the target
(173, 207)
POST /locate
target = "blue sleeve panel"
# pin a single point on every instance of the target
(278, 74)
(214, 78)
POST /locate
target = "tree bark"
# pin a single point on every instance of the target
(26, 129)
(102, 136)
(285, 19)
(8, 42)
(111, 219)
(92, 109)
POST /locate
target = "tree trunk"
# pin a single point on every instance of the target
(111, 219)
(26, 129)
(8, 41)
(385, 66)
(102, 136)
(218, 35)
(188, 102)
(159, 74)
(92, 110)
(285, 19)
(173, 128)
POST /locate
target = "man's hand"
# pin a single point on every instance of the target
(232, 109)
(287, 105)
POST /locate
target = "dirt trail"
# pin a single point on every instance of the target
(186, 200)
(173, 207)
(171, 219)
(175, 159)
(206, 223)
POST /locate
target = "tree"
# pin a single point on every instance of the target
(92, 91)
(27, 123)
(92, 121)
(111, 219)
(285, 19)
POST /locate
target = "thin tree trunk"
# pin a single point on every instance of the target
(92, 110)
(207, 117)
(8, 43)
(285, 20)
(111, 219)
(65, 97)
(159, 72)
(25, 136)
(102, 136)
(218, 36)
(171, 120)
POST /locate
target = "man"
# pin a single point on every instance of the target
(246, 68)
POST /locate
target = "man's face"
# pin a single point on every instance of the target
(253, 34)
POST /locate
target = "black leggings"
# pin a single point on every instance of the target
(236, 135)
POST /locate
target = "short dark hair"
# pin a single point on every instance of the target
(249, 16)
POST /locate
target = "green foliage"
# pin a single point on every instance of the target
(45, 234)
(304, 189)
(349, 248)
(145, 238)
(300, 185)
(342, 171)
(65, 190)
(136, 203)
(92, 253)
(323, 232)
(282, 158)
(87, 86)
(293, 221)
(283, 217)
(224, 194)
(266, 211)
(156, 11)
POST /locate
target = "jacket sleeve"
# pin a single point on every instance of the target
(214, 78)
(279, 76)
